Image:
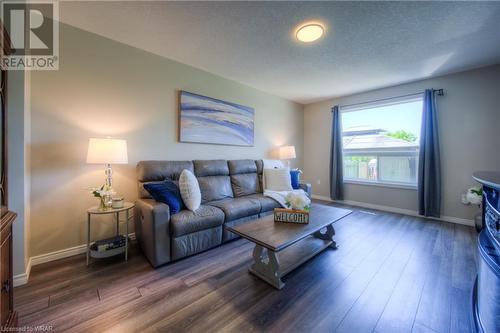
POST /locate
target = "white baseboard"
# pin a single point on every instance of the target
(21, 279)
(409, 212)
(60, 254)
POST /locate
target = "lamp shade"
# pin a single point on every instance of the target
(287, 152)
(107, 151)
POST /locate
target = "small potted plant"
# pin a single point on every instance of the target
(297, 211)
(474, 197)
(105, 194)
(298, 201)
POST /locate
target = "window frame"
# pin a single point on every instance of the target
(375, 153)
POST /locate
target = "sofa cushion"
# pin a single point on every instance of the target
(215, 188)
(196, 242)
(267, 204)
(244, 178)
(158, 171)
(238, 207)
(143, 193)
(241, 166)
(245, 184)
(203, 168)
(260, 169)
(186, 221)
(148, 171)
(167, 192)
(228, 235)
(260, 166)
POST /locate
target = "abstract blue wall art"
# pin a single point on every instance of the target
(209, 120)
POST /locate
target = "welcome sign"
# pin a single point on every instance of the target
(291, 216)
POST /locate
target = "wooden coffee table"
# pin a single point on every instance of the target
(281, 247)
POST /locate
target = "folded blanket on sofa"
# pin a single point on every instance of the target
(280, 196)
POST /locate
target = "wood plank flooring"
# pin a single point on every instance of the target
(391, 273)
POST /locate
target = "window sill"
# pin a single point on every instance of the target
(389, 185)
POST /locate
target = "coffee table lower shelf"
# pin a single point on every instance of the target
(271, 266)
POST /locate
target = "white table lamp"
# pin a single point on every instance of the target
(287, 153)
(107, 151)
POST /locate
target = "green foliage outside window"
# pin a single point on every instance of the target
(403, 135)
(358, 159)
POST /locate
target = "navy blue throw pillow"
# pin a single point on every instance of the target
(168, 193)
(295, 177)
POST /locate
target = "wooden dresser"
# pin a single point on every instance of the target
(7, 313)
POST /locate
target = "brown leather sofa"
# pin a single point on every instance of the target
(231, 194)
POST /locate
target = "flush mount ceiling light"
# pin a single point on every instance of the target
(309, 32)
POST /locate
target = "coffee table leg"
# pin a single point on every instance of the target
(267, 267)
(328, 235)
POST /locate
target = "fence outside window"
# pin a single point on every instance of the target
(397, 168)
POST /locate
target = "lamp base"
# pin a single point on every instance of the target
(109, 175)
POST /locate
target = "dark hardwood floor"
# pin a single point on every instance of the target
(391, 273)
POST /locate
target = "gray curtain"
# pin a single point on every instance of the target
(429, 166)
(336, 172)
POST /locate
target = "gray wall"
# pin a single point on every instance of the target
(18, 167)
(107, 88)
(469, 121)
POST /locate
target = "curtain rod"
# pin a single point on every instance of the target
(440, 92)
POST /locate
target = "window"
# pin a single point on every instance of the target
(381, 141)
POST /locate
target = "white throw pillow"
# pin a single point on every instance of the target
(278, 179)
(273, 164)
(190, 190)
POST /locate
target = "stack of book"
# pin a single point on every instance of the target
(109, 243)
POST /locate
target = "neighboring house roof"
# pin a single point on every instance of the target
(369, 138)
(362, 130)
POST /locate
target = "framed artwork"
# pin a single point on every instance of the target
(208, 120)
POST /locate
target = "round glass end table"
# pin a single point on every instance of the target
(127, 207)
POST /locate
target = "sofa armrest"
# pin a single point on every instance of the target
(152, 230)
(306, 187)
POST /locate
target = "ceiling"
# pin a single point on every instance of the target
(367, 45)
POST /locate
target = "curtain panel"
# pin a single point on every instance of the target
(429, 165)
(336, 166)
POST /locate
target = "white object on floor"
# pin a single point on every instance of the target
(277, 179)
(190, 190)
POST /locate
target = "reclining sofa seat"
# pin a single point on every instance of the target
(231, 195)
